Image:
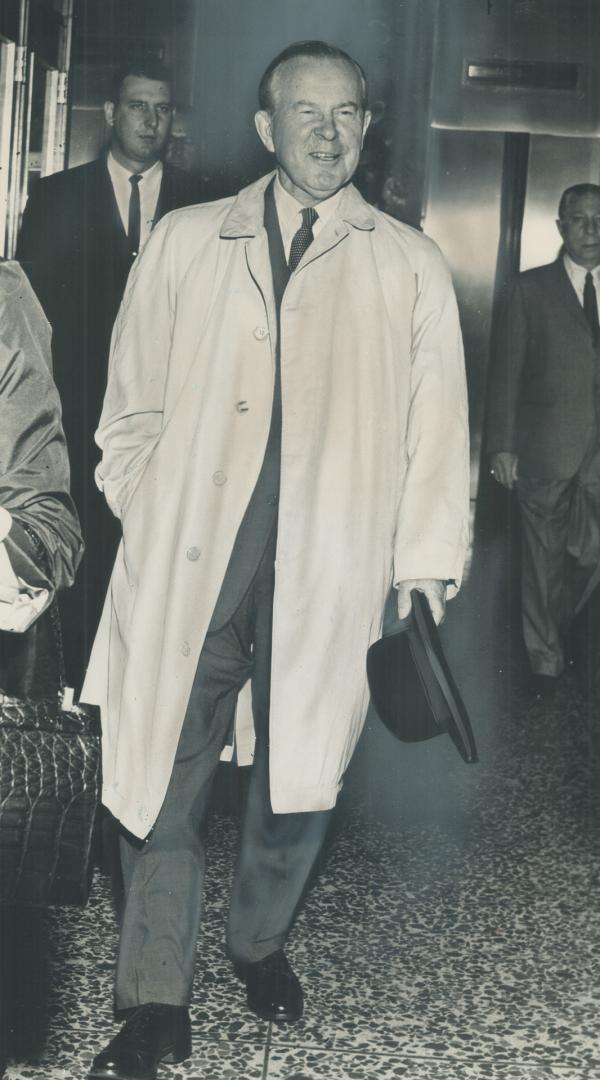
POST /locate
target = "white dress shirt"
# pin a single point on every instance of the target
(149, 187)
(577, 274)
(20, 604)
(289, 213)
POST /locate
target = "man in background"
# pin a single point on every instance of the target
(544, 432)
(81, 231)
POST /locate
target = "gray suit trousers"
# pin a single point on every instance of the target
(164, 877)
(560, 530)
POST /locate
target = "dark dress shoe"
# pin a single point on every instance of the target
(545, 686)
(151, 1034)
(273, 990)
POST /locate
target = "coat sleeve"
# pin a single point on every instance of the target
(432, 528)
(34, 467)
(509, 350)
(132, 414)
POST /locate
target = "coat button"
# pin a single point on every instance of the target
(185, 648)
(192, 554)
(260, 333)
(241, 406)
(219, 477)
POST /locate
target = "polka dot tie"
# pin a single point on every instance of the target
(304, 237)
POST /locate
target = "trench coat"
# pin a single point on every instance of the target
(374, 476)
(34, 466)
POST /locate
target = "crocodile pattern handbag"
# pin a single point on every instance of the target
(49, 791)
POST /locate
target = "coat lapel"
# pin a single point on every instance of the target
(109, 211)
(245, 220)
(563, 294)
(167, 198)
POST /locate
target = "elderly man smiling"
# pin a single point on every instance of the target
(284, 439)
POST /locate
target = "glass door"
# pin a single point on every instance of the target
(7, 81)
(35, 46)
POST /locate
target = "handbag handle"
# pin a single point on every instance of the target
(52, 609)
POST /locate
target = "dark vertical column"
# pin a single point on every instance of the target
(407, 124)
(512, 207)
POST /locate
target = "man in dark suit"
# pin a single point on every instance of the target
(81, 232)
(544, 431)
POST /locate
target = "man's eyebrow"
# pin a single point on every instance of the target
(145, 101)
(313, 104)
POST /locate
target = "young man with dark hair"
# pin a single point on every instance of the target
(82, 229)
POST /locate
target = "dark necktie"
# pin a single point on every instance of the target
(133, 226)
(590, 306)
(304, 237)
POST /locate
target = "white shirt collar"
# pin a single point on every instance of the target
(289, 213)
(117, 170)
(576, 274)
(149, 188)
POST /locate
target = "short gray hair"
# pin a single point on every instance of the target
(314, 50)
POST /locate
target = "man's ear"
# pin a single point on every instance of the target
(366, 124)
(264, 125)
(109, 112)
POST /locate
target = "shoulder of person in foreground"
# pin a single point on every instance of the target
(421, 253)
(182, 237)
(34, 466)
(196, 220)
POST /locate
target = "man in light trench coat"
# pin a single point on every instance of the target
(284, 438)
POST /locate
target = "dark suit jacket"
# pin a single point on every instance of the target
(74, 250)
(545, 377)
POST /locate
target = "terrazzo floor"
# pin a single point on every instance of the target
(459, 940)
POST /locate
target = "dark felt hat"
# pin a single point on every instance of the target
(412, 687)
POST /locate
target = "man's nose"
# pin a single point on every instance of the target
(150, 118)
(591, 226)
(327, 128)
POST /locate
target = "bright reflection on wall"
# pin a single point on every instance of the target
(554, 164)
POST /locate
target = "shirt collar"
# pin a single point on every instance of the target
(577, 272)
(246, 210)
(288, 208)
(117, 170)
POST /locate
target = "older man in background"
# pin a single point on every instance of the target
(544, 430)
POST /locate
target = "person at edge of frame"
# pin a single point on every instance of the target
(40, 548)
(544, 432)
(284, 439)
(82, 229)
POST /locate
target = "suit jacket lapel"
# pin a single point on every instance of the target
(109, 211)
(564, 294)
(167, 196)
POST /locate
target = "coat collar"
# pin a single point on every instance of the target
(246, 217)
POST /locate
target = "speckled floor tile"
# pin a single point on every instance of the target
(209, 1061)
(462, 942)
(301, 1064)
(507, 1000)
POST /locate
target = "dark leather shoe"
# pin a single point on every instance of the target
(273, 990)
(151, 1034)
(545, 686)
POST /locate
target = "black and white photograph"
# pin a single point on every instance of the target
(299, 539)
